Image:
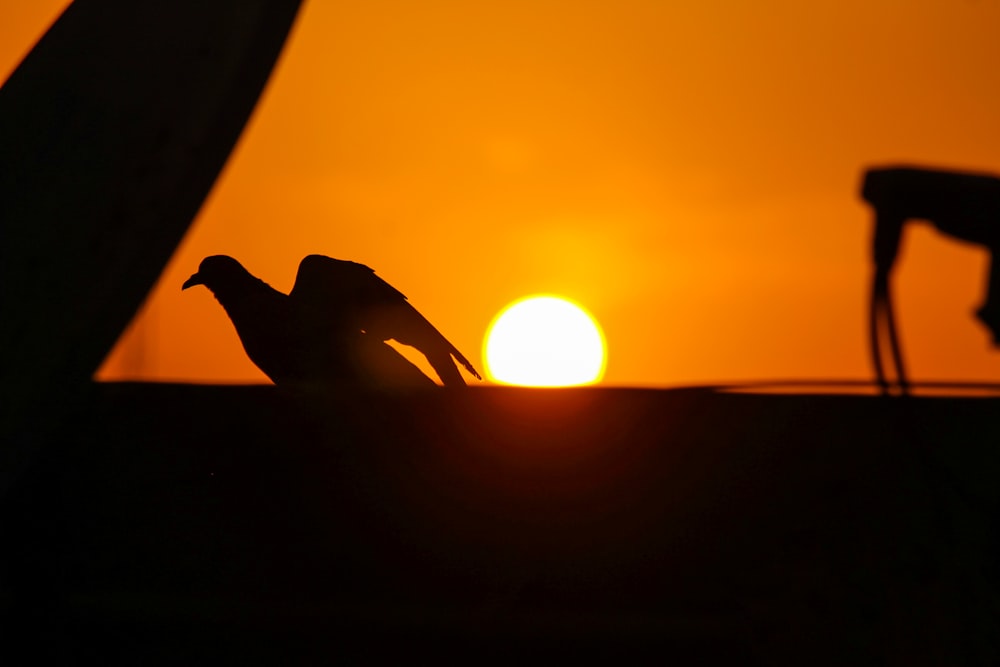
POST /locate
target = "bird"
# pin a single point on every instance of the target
(331, 328)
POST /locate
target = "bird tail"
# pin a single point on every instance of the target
(409, 327)
(465, 362)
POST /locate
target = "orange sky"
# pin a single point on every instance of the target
(686, 171)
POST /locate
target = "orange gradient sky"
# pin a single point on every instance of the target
(686, 171)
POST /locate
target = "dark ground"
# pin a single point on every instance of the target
(174, 524)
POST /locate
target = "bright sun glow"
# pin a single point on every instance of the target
(544, 341)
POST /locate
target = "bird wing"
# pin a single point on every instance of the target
(345, 288)
(367, 302)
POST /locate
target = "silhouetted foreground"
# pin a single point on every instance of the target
(330, 329)
(197, 525)
(963, 205)
(112, 131)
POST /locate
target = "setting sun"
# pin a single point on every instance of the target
(544, 341)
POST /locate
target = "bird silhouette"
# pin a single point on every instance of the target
(331, 328)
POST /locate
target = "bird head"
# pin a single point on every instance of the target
(217, 273)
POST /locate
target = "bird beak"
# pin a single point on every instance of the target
(192, 281)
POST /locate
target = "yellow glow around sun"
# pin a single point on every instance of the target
(544, 341)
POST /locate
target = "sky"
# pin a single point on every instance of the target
(687, 171)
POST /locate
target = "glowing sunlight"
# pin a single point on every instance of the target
(544, 341)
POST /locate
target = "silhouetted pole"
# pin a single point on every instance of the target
(963, 205)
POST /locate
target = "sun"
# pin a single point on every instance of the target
(544, 341)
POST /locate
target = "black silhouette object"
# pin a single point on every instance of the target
(963, 205)
(113, 130)
(331, 328)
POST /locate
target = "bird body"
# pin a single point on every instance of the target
(331, 328)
